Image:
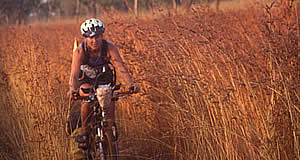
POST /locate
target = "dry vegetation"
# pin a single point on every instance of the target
(219, 85)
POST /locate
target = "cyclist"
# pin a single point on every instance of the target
(93, 56)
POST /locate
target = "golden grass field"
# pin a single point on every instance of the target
(215, 85)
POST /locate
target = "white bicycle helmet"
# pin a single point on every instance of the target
(92, 27)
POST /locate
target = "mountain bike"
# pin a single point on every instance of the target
(102, 137)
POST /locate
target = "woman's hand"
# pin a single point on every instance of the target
(134, 88)
(73, 94)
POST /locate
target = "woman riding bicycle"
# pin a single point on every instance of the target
(95, 56)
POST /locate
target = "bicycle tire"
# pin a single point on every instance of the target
(110, 148)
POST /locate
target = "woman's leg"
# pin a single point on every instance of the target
(85, 109)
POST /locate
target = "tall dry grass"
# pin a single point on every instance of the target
(35, 69)
(215, 85)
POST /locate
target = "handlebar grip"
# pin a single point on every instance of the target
(116, 87)
(75, 93)
(133, 90)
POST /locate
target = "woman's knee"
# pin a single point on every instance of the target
(86, 87)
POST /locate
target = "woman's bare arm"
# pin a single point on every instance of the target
(75, 68)
(119, 64)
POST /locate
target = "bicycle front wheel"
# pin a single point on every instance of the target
(111, 147)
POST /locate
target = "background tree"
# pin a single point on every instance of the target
(217, 4)
(176, 3)
(21, 11)
(136, 7)
(69, 8)
(53, 8)
(16, 11)
(188, 4)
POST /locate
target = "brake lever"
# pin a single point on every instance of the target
(75, 95)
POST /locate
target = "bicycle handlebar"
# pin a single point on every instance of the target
(92, 97)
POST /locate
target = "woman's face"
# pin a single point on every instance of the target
(95, 42)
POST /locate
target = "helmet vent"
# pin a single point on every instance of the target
(92, 27)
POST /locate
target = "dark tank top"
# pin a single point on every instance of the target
(90, 68)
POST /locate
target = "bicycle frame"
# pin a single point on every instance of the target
(104, 139)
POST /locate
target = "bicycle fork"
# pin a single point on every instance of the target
(98, 136)
(99, 139)
(115, 142)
